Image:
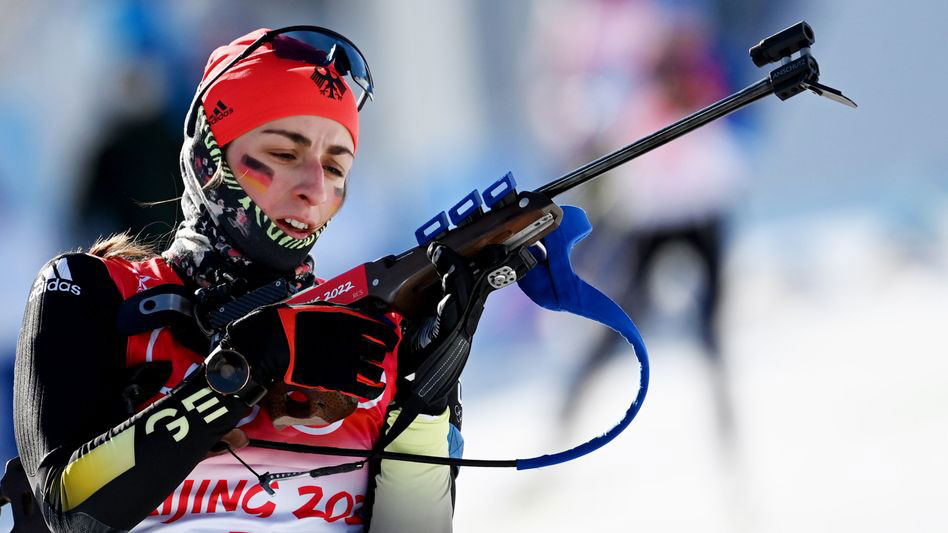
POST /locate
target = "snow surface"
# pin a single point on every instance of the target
(838, 370)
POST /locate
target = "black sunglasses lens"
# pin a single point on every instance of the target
(287, 47)
(341, 60)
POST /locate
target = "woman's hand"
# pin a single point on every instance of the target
(440, 345)
(318, 346)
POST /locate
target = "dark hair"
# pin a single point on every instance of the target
(122, 245)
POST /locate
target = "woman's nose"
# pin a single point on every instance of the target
(312, 185)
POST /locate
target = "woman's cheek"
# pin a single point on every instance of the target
(331, 206)
(337, 197)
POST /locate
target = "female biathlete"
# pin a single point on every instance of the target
(142, 378)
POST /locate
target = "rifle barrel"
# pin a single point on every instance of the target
(691, 122)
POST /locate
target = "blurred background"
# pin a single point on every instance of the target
(788, 265)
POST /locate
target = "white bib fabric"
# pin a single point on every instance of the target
(220, 494)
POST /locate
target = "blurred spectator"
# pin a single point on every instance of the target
(663, 214)
(135, 165)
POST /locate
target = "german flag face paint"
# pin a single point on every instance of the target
(257, 175)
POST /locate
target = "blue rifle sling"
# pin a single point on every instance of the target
(554, 285)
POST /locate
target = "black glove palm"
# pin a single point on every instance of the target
(320, 346)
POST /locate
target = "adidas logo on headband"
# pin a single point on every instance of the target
(221, 110)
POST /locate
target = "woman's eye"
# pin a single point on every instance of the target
(283, 156)
(334, 171)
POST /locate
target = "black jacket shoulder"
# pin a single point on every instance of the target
(68, 275)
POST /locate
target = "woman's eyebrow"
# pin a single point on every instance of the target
(293, 136)
(338, 149)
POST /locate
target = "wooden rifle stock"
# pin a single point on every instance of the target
(407, 282)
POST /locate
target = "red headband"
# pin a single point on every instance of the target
(264, 87)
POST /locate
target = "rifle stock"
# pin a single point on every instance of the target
(407, 282)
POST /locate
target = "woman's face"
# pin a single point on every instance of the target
(295, 170)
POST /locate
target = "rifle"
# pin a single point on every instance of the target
(406, 282)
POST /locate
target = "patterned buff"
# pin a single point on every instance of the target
(224, 231)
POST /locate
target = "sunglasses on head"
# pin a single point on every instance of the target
(309, 44)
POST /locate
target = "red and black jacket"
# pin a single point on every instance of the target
(87, 437)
